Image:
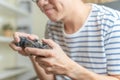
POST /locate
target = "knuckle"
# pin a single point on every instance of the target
(49, 54)
(37, 52)
(48, 70)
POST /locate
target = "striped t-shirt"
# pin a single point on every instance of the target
(95, 46)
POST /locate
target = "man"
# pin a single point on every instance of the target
(89, 42)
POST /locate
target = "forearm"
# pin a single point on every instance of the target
(40, 71)
(80, 73)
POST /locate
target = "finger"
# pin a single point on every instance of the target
(14, 47)
(33, 37)
(48, 70)
(42, 64)
(45, 61)
(45, 67)
(17, 35)
(19, 49)
(50, 42)
(38, 57)
(22, 53)
(38, 52)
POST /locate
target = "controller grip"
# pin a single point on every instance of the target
(25, 42)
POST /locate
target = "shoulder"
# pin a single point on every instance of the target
(107, 12)
(106, 16)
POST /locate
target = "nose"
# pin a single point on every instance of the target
(42, 2)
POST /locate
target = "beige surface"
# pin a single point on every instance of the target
(39, 21)
(7, 56)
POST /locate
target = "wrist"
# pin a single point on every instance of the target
(77, 72)
(73, 70)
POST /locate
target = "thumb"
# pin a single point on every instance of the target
(50, 42)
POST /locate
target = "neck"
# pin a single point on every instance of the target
(76, 19)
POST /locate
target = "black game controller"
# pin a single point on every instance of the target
(25, 42)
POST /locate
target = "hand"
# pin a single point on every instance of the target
(16, 37)
(39, 70)
(53, 60)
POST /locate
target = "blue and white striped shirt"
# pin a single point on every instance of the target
(95, 46)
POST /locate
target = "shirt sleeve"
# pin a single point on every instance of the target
(112, 48)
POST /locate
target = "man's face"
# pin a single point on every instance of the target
(55, 10)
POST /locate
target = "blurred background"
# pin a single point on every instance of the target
(24, 16)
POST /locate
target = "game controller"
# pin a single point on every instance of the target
(25, 42)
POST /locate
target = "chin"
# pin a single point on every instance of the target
(54, 19)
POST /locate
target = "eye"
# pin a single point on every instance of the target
(35, 1)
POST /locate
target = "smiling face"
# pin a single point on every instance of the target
(55, 10)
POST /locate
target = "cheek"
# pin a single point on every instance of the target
(59, 7)
(40, 6)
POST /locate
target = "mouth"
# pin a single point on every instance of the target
(49, 11)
